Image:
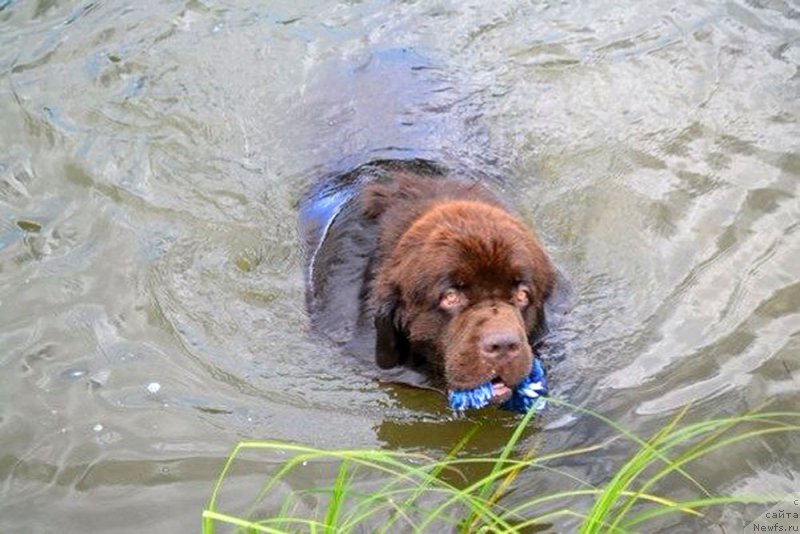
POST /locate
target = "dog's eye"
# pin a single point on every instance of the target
(452, 298)
(521, 295)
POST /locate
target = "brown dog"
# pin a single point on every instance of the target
(429, 269)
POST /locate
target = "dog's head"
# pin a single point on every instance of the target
(464, 286)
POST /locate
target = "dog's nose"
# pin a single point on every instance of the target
(501, 345)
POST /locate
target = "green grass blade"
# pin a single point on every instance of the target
(623, 432)
(430, 477)
(242, 523)
(212, 501)
(338, 493)
(717, 445)
(416, 497)
(699, 503)
(599, 515)
(485, 489)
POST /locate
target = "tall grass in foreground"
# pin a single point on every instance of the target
(415, 493)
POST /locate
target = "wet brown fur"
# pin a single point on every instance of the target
(446, 234)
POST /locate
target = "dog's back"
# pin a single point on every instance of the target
(341, 239)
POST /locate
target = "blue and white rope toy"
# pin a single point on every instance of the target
(527, 395)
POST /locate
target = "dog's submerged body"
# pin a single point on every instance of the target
(426, 276)
(416, 267)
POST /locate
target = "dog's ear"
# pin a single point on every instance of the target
(542, 278)
(391, 344)
(543, 273)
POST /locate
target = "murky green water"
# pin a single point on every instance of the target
(151, 288)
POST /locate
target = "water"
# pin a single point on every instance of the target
(151, 286)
